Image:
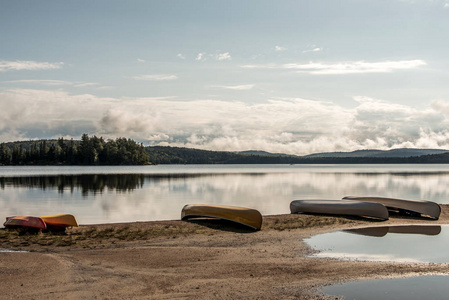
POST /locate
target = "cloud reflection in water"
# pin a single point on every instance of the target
(119, 197)
(414, 243)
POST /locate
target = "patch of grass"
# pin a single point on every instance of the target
(296, 222)
(104, 235)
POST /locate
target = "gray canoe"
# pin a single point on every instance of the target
(411, 207)
(340, 207)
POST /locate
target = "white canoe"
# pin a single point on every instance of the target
(340, 207)
(420, 207)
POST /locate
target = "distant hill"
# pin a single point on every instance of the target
(176, 155)
(262, 153)
(48, 152)
(403, 152)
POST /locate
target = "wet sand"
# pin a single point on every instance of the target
(204, 259)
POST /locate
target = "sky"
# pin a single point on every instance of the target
(294, 77)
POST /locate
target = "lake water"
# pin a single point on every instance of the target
(143, 193)
(411, 288)
(411, 243)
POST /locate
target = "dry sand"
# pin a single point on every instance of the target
(201, 259)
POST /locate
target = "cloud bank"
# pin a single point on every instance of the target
(156, 77)
(19, 65)
(203, 56)
(241, 87)
(49, 82)
(293, 125)
(357, 67)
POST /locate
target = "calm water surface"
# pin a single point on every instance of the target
(412, 288)
(412, 243)
(142, 193)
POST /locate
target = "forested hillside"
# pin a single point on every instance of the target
(88, 151)
(175, 155)
(121, 151)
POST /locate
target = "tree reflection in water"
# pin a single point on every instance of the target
(97, 183)
(90, 183)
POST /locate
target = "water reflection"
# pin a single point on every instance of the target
(130, 193)
(407, 229)
(86, 183)
(411, 288)
(416, 243)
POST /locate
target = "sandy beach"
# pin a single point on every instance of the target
(203, 259)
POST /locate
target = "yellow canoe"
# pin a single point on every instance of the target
(60, 220)
(246, 216)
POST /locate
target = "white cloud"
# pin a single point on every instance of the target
(223, 56)
(279, 48)
(50, 113)
(84, 84)
(42, 82)
(181, 56)
(27, 65)
(141, 60)
(357, 67)
(156, 77)
(294, 125)
(316, 49)
(201, 56)
(50, 82)
(159, 137)
(235, 87)
(266, 66)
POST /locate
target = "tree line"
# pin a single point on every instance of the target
(177, 155)
(88, 151)
(122, 151)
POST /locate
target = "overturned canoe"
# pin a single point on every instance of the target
(411, 207)
(340, 207)
(60, 220)
(26, 222)
(246, 216)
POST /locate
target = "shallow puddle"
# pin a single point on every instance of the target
(421, 287)
(424, 244)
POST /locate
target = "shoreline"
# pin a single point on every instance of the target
(184, 259)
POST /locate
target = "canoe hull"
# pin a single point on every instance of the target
(60, 220)
(26, 222)
(245, 216)
(421, 207)
(340, 207)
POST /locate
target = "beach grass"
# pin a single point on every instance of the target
(107, 235)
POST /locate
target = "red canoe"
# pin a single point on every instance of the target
(25, 222)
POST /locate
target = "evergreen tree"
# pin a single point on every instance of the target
(5, 155)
